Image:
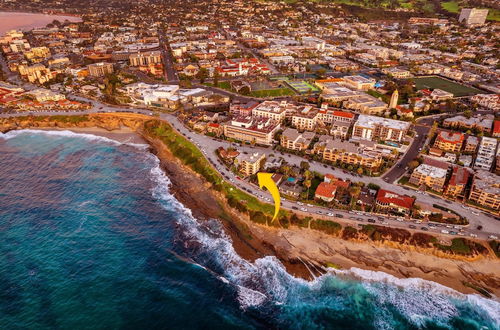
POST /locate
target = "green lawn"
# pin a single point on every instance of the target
(272, 92)
(446, 85)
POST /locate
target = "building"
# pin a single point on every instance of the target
(325, 191)
(430, 176)
(340, 129)
(42, 95)
(485, 190)
(376, 128)
(272, 110)
(252, 130)
(329, 116)
(306, 119)
(293, 140)
(394, 99)
(145, 58)
(241, 109)
(391, 202)
(249, 164)
(366, 104)
(459, 179)
(481, 123)
(473, 16)
(471, 144)
(440, 95)
(397, 72)
(352, 153)
(449, 141)
(359, 82)
(486, 154)
(100, 69)
(496, 129)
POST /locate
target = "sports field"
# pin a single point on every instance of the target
(302, 87)
(446, 85)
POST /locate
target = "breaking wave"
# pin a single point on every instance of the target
(266, 285)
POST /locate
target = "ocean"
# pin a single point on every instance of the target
(92, 238)
(28, 21)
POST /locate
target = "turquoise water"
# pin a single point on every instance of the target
(91, 238)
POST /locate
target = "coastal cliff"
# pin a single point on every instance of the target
(304, 251)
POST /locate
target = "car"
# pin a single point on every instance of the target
(372, 220)
(319, 212)
(444, 231)
(453, 233)
(461, 233)
(330, 214)
(472, 235)
(412, 226)
(385, 222)
(418, 221)
(424, 228)
(299, 203)
(303, 209)
(339, 215)
(493, 237)
(475, 213)
(295, 208)
(399, 219)
(310, 205)
(359, 219)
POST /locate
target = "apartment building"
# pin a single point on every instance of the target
(459, 179)
(145, 58)
(293, 140)
(35, 73)
(376, 128)
(253, 130)
(486, 154)
(249, 164)
(482, 123)
(471, 144)
(242, 109)
(366, 104)
(340, 129)
(306, 119)
(430, 176)
(449, 141)
(352, 153)
(485, 190)
(329, 116)
(100, 69)
(274, 110)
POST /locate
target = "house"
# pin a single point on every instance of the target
(325, 191)
(391, 202)
(291, 188)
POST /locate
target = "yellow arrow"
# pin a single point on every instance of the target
(265, 180)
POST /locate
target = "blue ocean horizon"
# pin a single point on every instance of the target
(92, 238)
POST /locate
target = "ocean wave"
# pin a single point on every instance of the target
(70, 134)
(266, 281)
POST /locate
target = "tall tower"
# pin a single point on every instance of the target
(394, 99)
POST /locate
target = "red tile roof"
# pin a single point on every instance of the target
(496, 127)
(344, 114)
(326, 190)
(389, 197)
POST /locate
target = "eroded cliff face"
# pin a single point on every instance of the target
(109, 122)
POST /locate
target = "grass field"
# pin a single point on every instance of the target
(302, 87)
(272, 92)
(446, 85)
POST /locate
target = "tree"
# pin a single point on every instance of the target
(216, 79)
(360, 171)
(202, 75)
(468, 114)
(307, 184)
(413, 164)
(304, 165)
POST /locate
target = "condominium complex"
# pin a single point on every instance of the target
(146, 58)
(253, 130)
(449, 141)
(359, 82)
(249, 164)
(486, 154)
(273, 110)
(352, 153)
(458, 181)
(430, 176)
(100, 69)
(373, 128)
(486, 190)
(306, 118)
(293, 140)
(473, 16)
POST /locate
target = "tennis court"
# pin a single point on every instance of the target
(302, 87)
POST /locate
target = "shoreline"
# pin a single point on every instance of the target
(304, 252)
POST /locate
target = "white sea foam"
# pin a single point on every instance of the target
(66, 133)
(266, 280)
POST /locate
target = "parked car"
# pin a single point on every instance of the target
(444, 231)
(412, 226)
(339, 215)
(424, 228)
(371, 220)
(493, 237)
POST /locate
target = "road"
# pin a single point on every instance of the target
(400, 167)
(170, 72)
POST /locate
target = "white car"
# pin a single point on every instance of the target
(444, 231)
(493, 237)
(472, 235)
(303, 209)
(299, 203)
(330, 214)
(475, 213)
